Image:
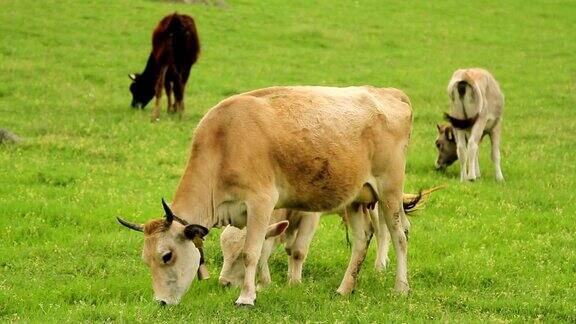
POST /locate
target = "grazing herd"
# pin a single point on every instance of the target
(266, 163)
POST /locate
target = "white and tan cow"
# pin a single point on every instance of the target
(301, 147)
(477, 105)
(294, 229)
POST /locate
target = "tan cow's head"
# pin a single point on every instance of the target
(173, 252)
(232, 244)
(446, 145)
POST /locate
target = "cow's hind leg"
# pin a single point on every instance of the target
(382, 241)
(462, 153)
(391, 214)
(168, 89)
(362, 231)
(179, 94)
(472, 147)
(495, 140)
(158, 91)
(259, 210)
(300, 246)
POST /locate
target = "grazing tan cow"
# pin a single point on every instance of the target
(302, 148)
(477, 105)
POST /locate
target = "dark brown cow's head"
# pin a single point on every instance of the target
(446, 145)
(142, 90)
(173, 251)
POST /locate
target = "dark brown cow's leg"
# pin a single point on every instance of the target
(168, 88)
(179, 94)
(158, 89)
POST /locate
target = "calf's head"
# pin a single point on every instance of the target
(171, 254)
(446, 146)
(142, 90)
(232, 244)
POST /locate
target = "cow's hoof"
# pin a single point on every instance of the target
(381, 266)
(244, 302)
(344, 291)
(402, 288)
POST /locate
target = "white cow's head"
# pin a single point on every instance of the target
(173, 252)
(446, 146)
(232, 244)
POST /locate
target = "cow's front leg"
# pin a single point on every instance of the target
(267, 249)
(258, 216)
(362, 233)
(300, 247)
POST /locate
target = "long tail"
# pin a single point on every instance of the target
(413, 202)
(462, 87)
(410, 204)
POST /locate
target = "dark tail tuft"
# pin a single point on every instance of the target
(462, 88)
(410, 206)
(461, 123)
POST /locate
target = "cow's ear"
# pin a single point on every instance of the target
(193, 231)
(449, 134)
(132, 76)
(277, 228)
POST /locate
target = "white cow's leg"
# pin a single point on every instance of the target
(391, 215)
(472, 147)
(495, 139)
(267, 249)
(300, 247)
(361, 233)
(258, 216)
(462, 153)
(289, 238)
(382, 241)
(477, 166)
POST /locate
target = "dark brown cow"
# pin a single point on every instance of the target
(175, 48)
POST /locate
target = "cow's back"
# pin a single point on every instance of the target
(317, 144)
(175, 40)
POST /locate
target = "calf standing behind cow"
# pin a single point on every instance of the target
(304, 148)
(295, 229)
(175, 48)
(477, 105)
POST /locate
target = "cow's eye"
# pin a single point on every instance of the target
(438, 144)
(167, 257)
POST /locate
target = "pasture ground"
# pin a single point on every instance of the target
(478, 252)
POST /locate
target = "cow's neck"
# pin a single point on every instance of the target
(151, 71)
(193, 200)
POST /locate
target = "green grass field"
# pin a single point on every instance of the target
(479, 251)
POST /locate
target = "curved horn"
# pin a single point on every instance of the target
(132, 76)
(134, 226)
(169, 214)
